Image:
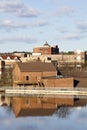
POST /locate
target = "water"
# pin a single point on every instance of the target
(39, 113)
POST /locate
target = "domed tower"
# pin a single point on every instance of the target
(46, 44)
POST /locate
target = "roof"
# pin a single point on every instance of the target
(46, 44)
(36, 67)
(8, 56)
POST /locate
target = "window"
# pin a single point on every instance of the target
(48, 58)
(27, 77)
(27, 101)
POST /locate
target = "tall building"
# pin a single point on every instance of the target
(46, 49)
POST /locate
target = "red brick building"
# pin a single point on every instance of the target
(38, 74)
(46, 49)
(30, 73)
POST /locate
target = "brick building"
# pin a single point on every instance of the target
(46, 49)
(31, 73)
(38, 74)
(9, 59)
(7, 62)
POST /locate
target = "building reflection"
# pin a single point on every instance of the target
(42, 106)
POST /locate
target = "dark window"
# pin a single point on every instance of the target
(48, 58)
(27, 101)
(27, 77)
(25, 55)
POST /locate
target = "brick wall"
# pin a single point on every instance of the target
(42, 50)
(59, 82)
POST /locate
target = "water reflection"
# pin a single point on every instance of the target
(41, 106)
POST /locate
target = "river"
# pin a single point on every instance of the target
(40, 112)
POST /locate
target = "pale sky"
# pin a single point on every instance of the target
(25, 24)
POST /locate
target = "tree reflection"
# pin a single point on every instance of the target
(63, 112)
(6, 104)
(9, 110)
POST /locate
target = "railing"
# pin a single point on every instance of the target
(43, 88)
